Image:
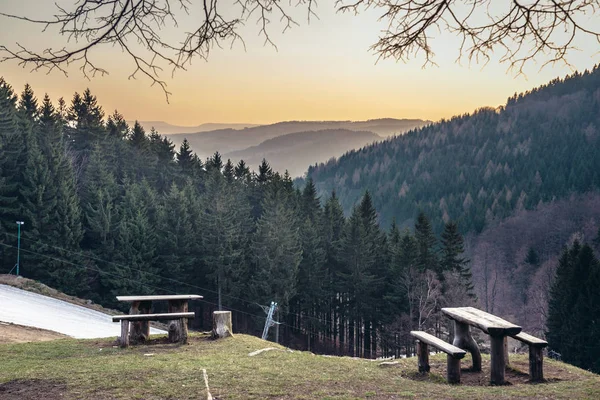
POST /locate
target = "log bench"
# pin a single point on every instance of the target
(181, 319)
(139, 329)
(536, 355)
(455, 354)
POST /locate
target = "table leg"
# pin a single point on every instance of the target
(498, 363)
(178, 331)
(139, 330)
(464, 340)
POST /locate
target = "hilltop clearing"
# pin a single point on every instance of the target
(94, 369)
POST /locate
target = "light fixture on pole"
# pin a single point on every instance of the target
(19, 223)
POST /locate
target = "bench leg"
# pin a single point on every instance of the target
(453, 369)
(124, 340)
(423, 354)
(140, 330)
(536, 364)
(464, 340)
(178, 330)
(498, 364)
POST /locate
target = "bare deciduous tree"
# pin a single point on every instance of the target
(521, 30)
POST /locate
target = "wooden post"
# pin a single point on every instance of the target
(464, 340)
(453, 369)
(139, 330)
(178, 331)
(506, 359)
(497, 360)
(536, 363)
(222, 326)
(423, 354)
(124, 340)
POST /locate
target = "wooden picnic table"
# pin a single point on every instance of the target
(140, 329)
(498, 329)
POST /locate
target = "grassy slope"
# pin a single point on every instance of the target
(94, 369)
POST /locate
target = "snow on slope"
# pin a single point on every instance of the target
(31, 309)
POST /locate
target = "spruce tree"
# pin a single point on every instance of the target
(185, 157)
(225, 224)
(426, 242)
(573, 308)
(138, 137)
(11, 164)
(276, 252)
(452, 258)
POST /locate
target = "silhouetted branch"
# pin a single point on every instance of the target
(521, 31)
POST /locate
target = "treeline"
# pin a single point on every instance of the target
(574, 307)
(112, 210)
(480, 168)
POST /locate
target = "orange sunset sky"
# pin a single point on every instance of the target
(321, 71)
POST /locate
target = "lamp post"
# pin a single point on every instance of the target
(19, 223)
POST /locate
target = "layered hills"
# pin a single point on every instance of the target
(294, 152)
(480, 167)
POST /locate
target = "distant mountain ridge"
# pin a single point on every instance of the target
(294, 152)
(230, 140)
(166, 128)
(481, 167)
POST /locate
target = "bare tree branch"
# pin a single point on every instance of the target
(523, 31)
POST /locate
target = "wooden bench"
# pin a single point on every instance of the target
(126, 319)
(536, 355)
(453, 359)
(139, 327)
(496, 327)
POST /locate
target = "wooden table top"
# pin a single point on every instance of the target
(489, 323)
(160, 297)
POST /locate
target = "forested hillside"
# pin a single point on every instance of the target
(480, 167)
(113, 210)
(296, 151)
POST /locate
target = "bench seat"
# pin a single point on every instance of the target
(439, 344)
(454, 353)
(152, 317)
(536, 355)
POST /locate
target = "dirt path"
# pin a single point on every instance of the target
(11, 333)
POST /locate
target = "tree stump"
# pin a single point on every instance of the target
(222, 326)
(453, 369)
(536, 363)
(464, 340)
(139, 330)
(423, 354)
(498, 364)
(178, 330)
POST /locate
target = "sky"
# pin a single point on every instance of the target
(319, 71)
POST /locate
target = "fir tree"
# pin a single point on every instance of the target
(452, 258)
(426, 242)
(276, 252)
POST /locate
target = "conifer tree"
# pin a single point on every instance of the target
(11, 164)
(426, 243)
(452, 258)
(225, 224)
(276, 252)
(87, 115)
(228, 171)
(242, 172)
(573, 308)
(138, 137)
(116, 126)
(185, 157)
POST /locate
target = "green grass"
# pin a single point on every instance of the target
(94, 369)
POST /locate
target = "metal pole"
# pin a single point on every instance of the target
(19, 223)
